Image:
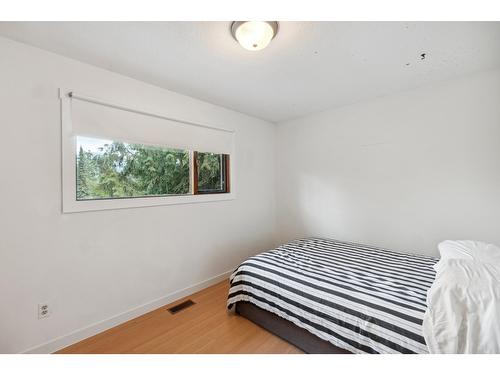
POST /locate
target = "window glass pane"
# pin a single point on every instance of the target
(107, 169)
(211, 172)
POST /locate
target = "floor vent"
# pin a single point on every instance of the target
(181, 306)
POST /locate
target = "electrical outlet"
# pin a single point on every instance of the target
(43, 310)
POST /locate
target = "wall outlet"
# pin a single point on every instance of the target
(43, 310)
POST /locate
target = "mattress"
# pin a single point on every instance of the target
(360, 298)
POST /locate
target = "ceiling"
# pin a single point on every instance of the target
(308, 67)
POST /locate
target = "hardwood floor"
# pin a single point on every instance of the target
(206, 327)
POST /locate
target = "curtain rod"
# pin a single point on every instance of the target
(89, 99)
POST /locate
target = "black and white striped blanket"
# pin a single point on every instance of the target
(360, 298)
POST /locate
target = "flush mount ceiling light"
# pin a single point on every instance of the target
(254, 35)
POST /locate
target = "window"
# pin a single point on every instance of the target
(111, 170)
(121, 156)
(211, 173)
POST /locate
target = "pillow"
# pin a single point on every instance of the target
(470, 250)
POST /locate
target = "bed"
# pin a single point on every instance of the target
(329, 296)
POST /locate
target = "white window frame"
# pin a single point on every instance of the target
(71, 204)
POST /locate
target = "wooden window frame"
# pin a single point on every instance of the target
(226, 171)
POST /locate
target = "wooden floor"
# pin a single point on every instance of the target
(206, 327)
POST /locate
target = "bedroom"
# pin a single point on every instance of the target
(263, 187)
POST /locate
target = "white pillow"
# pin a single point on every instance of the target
(470, 250)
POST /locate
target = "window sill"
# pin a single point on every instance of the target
(70, 206)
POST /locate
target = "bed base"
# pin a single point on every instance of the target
(286, 330)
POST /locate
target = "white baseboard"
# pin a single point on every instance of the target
(93, 329)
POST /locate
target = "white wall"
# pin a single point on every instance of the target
(91, 266)
(404, 171)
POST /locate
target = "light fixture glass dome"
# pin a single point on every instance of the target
(254, 35)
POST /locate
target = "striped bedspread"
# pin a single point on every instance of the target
(360, 298)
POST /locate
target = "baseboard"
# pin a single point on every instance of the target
(93, 329)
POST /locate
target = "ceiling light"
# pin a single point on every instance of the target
(254, 35)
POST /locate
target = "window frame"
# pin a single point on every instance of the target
(68, 153)
(226, 170)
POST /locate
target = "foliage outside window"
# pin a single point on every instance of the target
(110, 170)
